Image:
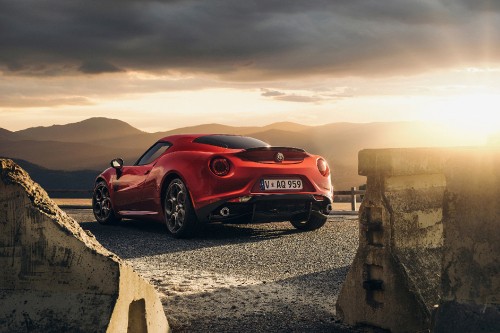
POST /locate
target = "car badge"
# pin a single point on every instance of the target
(279, 157)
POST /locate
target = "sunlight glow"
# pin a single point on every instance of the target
(477, 114)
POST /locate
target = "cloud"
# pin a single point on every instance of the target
(272, 93)
(293, 97)
(307, 97)
(300, 98)
(98, 67)
(28, 101)
(247, 40)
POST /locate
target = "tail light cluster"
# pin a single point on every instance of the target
(323, 167)
(220, 166)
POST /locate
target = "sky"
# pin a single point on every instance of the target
(160, 65)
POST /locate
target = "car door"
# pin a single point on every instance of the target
(127, 187)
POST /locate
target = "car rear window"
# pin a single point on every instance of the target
(231, 141)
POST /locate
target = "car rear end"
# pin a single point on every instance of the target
(263, 184)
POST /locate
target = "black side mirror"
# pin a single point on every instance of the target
(117, 163)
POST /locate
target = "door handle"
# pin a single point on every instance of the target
(147, 172)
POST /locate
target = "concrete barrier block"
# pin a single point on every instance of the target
(470, 288)
(428, 236)
(397, 218)
(55, 277)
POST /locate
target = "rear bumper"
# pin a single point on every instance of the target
(265, 208)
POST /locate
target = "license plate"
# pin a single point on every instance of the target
(281, 184)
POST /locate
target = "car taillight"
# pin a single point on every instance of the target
(323, 167)
(220, 166)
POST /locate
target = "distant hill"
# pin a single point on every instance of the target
(346, 139)
(66, 155)
(59, 179)
(286, 126)
(241, 130)
(136, 142)
(278, 137)
(92, 143)
(90, 130)
(209, 129)
(8, 135)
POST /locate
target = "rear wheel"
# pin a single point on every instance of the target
(180, 217)
(101, 205)
(315, 221)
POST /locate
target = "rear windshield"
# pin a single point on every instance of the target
(231, 141)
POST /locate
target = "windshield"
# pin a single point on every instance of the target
(231, 141)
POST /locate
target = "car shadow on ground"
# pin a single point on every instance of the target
(145, 238)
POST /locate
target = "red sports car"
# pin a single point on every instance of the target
(185, 180)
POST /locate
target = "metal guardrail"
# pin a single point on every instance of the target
(353, 193)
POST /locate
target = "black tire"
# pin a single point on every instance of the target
(101, 205)
(316, 220)
(180, 218)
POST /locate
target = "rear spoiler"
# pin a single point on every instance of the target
(273, 155)
(274, 148)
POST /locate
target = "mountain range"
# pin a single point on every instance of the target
(90, 144)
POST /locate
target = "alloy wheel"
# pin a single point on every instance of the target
(175, 206)
(102, 202)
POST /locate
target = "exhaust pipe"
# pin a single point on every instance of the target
(329, 208)
(224, 212)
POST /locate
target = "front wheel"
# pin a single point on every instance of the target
(315, 221)
(101, 205)
(180, 217)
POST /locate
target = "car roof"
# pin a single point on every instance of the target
(180, 138)
(187, 142)
(188, 138)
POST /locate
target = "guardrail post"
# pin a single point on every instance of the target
(353, 198)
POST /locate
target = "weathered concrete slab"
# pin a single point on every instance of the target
(470, 284)
(57, 278)
(395, 280)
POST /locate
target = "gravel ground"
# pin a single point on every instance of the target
(233, 278)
